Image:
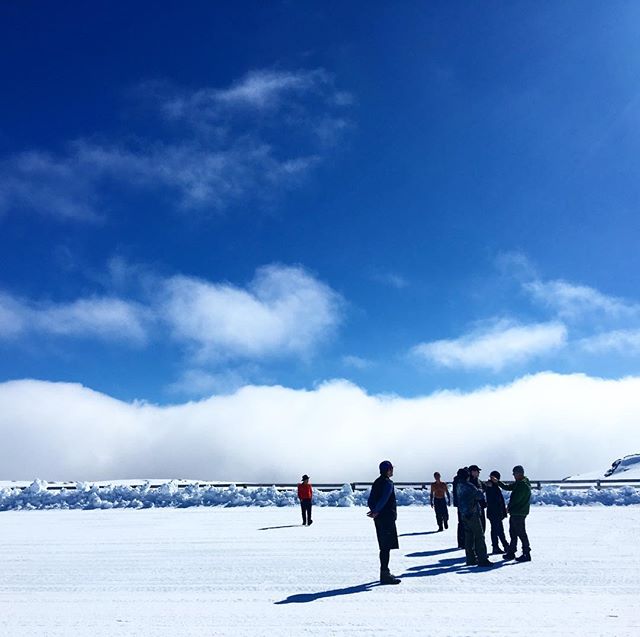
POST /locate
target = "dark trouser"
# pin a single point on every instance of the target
(384, 560)
(517, 530)
(483, 520)
(442, 512)
(305, 505)
(387, 535)
(460, 531)
(497, 533)
(474, 546)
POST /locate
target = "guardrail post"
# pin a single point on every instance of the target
(539, 486)
(353, 486)
(598, 485)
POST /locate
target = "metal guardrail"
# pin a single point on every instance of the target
(360, 486)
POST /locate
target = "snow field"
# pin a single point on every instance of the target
(256, 571)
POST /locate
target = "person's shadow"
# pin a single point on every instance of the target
(448, 565)
(286, 526)
(418, 533)
(431, 553)
(302, 598)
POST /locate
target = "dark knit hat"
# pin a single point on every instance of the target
(495, 474)
(518, 469)
(463, 474)
(385, 465)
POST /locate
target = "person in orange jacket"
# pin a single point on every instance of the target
(305, 495)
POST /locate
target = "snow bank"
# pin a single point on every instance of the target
(90, 496)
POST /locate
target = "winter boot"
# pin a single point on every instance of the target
(497, 550)
(446, 524)
(439, 527)
(485, 563)
(525, 557)
(386, 577)
(509, 556)
(310, 523)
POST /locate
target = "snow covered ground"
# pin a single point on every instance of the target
(167, 572)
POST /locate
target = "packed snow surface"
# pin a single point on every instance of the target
(255, 572)
(118, 496)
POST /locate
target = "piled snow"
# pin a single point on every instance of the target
(120, 496)
(627, 468)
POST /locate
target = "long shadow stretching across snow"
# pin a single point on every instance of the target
(418, 533)
(431, 553)
(286, 526)
(312, 597)
(448, 565)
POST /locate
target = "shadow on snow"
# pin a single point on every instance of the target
(312, 597)
(286, 526)
(418, 533)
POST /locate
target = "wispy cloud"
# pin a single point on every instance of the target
(391, 279)
(225, 153)
(356, 362)
(495, 346)
(96, 317)
(619, 341)
(574, 301)
(283, 312)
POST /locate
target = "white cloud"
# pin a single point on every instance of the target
(284, 311)
(495, 347)
(574, 301)
(619, 341)
(555, 425)
(97, 317)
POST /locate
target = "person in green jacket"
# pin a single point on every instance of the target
(518, 509)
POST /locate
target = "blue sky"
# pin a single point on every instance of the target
(437, 196)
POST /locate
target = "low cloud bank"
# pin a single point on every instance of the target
(555, 425)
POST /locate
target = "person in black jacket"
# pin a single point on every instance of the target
(460, 529)
(382, 508)
(496, 512)
(469, 506)
(474, 479)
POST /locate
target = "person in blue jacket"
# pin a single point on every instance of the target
(382, 508)
(470, 499)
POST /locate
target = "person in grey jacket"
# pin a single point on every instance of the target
(469, 507)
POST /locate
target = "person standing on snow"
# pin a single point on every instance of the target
(496, 512)
(474, 479)
(439, 499)
(518, 509)
(305, 495)
(460, 528)
(469, 507)
(382, 508)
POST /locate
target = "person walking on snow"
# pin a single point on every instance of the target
(518, 509)
(382, 508)
(469, 500)
(496, 512)
(305, 495)
(439, 499)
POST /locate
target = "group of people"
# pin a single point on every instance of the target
(475, 500)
